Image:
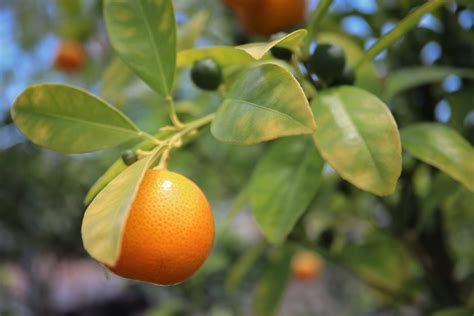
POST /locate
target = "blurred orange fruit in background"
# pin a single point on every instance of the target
(70, 56)
(266, 17)
(306, 265)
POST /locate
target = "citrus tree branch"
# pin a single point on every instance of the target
(172, 111)
(315, 18)
(176, 139)
(398, 31)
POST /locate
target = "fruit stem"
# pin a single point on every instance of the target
(164, 159)
(172, 111)
(151, 138)
(176, 139)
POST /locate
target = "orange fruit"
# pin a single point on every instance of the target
(266, 17)
(169, 232)
(70, 56)
(306, 265)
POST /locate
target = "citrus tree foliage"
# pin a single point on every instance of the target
(313, 137)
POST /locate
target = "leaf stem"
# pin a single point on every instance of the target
(172, 111)
(314, 20)
(398, 31)
(149, 137)
(176, 139)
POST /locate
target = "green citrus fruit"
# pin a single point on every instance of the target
(129, 157)
(206, 74)
(327, 62)
(281, 53)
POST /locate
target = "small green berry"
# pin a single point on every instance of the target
(327, 62)
(206, 74)
(129, 157)
(347, 77)
(281, 53)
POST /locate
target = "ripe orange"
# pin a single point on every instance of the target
(306, 265)
(266, 17)
(169, 231)
(70, 56)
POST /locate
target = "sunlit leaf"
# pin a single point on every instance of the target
(70, 120)
(223, 55)
(117, 167)
(291, 41)
(143, 32)
(283, 184)
(357, 135)
(105, 218)
(263, 103)
(443, 148)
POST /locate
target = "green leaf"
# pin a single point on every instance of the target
(242, 266)
(190, 32)
(366, 75)
(442, 188)
(271, 287)
(358, 136)
(263, 103)
(114, 170)
(461, 104)
(70, 120)
(143, 32)
(105, 218)
(399, 30)
(283, 184)
(291, 41)
(223, 55)
(456, 311)
(443, 148)
(412, 77)
(116, 76)
(380, 261)
(118, 166)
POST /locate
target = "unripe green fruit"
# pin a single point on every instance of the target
(129, 157)
(347, 77)
(327, 62)
(281, 53)
(206, 74)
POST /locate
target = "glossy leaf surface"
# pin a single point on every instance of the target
(283, 184)
(290, 41)
(443, 148)
(263, 103)
(143, 32)
(357, 135)
(105, 218)
(70, 120)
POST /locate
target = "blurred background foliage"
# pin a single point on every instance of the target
(410, 253)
